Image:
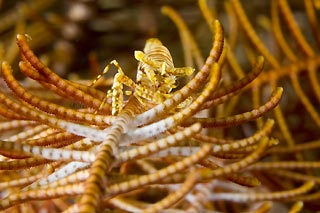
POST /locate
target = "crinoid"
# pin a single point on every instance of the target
(145, 145)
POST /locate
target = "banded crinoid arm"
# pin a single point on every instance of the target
(298, 177)
(160, 174)
(158, 145)
(22, 163)
(231, 168)
(243, 117)
(166, 204)
(29, 71)
(27, 134)
(77, 129)
(264, 131)
(59, 111)
(41, 194)
(58, 139)
(220, 146)
(285, 165)
(51, 77)
(51, 120)
(22, 181)
(174, 197)
(225, 93)
(243, 163)
(47, 153)
(60, 180)
(255, 197)
(296, 207)
(298, 148)
(10, 115)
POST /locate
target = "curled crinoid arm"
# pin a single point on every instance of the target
(174, 197)
(154, 177)
(264, 131)
(22, 163)
(29, 71)
(7, 113)
(234, 167)
(58, 139)
(77, 129)
(224, 93)
(41, 194)
(54, 78)
(14, 124)
(48, 153)
(125, 204)
(285, 165)
(312, 18)
(158, 145)
(296, 207)
(297, 148)
(20, 182)
(46, 106)
(251, 197)
(244, 117)
(296, 176)
(27, 134)
(49, 182)
(264, 207)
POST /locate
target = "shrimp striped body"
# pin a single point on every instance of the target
(156, 74)
(156, 77)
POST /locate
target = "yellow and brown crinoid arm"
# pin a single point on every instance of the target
(74, 93)
(48, 107)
